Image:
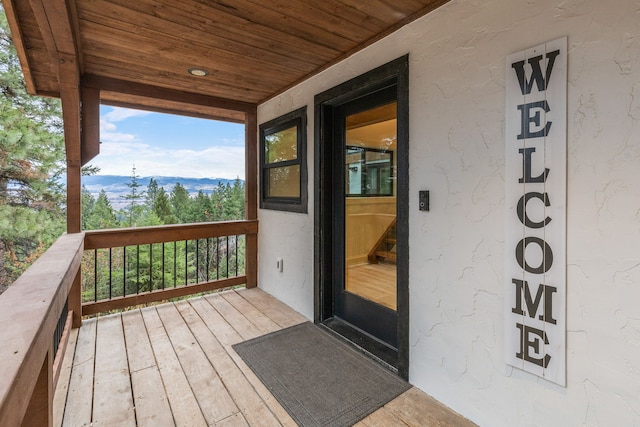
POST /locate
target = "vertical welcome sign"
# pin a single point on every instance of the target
(535, 239)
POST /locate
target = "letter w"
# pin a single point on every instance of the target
(536, 72)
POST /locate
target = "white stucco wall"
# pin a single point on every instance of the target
(457, 108)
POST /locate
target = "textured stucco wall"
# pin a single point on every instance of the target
(457, 101)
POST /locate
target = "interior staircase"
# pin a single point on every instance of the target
(385, 247)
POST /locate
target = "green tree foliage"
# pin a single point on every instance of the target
(200, 207)
(87, 203)
(180, 203)
(31, 162)
(152, 193)
(134, 210)
(102, 215)
(162, 207)
(227, 201)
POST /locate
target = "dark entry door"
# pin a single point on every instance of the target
(361, 222)
(365, 208)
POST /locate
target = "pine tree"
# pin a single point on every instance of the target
(217, 202)
(152, 193)
(134, 198)
(180, 203)
(87, 202)
(235, 205)
(200, 208)
(162, 207)
(31, 162)
(102, 215)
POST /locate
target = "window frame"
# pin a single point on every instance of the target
(297, 119)
(366, 167)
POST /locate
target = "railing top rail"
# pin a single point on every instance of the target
(117, 237)
(29, 312)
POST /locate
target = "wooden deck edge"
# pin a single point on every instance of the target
(159, 295)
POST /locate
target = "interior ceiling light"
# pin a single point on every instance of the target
(198, 72)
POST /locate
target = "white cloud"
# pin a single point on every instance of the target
(117, 137)
(213, 162)
(118, 114)
(106, 126)
(119, 151)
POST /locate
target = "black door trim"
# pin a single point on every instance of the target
(393, 73)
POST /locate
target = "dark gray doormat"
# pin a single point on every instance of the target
(318, 379)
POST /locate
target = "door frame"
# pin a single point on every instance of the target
(393, 73)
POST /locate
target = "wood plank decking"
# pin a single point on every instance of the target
(173, 364)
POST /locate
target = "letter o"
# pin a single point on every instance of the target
(547, 255)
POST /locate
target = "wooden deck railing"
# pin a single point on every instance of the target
(38, 310)
(34, 322)
(127, 267)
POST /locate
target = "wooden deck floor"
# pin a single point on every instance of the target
(173, 365)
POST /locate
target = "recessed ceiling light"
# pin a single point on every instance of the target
(198, 72)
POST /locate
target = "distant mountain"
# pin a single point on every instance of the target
(116, 185)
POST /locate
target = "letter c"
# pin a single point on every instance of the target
(522, 209)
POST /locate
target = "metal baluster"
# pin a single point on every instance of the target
(197, 260)
(227, 256)
(217, 258)
(236, 255)
(124, 270)
(110, 273)
(208, 264)
(95, 275)
(163, 243)
(186, 262)
(137, 269)
(150, 267)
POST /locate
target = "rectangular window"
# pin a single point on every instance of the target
(369, 172)
(283, 162)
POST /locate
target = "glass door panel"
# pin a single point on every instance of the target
(370, 205)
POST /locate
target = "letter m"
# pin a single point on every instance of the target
(522, 287)
(536, 72)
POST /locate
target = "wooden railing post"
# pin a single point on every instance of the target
(251, 199)
(75, 300)
(251, 267)
(40, 410)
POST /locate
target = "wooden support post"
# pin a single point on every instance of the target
(70, 96)
(251, 195)
(90, 124)
(74, 219)
(40, 410)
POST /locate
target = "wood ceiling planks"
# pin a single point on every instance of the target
(253, 49)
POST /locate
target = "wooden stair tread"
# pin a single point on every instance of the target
(387, 255)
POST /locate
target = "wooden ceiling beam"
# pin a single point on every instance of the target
(178, 110)
(37, 6)
(148, 91)
(18, 41)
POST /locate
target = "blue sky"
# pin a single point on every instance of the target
(165, 145)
